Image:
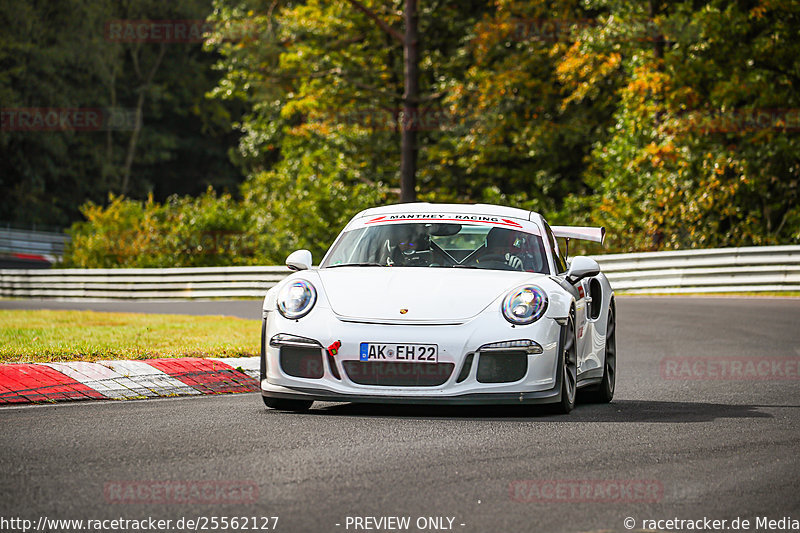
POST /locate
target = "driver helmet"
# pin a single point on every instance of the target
(501, 240)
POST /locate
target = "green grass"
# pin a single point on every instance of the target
(45, 336)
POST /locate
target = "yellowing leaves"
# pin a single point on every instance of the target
(581, 72)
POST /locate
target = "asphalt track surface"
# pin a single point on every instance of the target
(718, 449)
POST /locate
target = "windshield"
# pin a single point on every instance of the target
(441, 245)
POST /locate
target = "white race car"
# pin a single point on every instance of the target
(441, 304)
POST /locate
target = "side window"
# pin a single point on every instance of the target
(561, 265)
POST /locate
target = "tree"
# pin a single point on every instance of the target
(674, 124)
(686, 164)
(59, 56)
(410, 43)
(522, 139)
(206, 230)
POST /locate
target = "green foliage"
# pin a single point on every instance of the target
(207, 230)
(57, 54)
(524, 139)
(305, 201)
(604, 112)
(685, 165)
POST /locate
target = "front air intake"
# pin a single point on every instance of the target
(466, 368)
(332, 365)
(301, 362)
(502, 366)
(397, 374)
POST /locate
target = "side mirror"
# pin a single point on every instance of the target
(582, 267)
(299, 260)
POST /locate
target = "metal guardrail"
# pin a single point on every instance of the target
(31, 245)
(141, 283)
(772, 268)
(747, 269)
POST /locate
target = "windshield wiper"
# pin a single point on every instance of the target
(468, 266)
(356, 265)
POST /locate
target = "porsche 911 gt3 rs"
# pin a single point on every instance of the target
(441, 304)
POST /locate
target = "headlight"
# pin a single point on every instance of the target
(296, 299)
(525, 305)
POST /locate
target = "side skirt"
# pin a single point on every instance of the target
(590, 377)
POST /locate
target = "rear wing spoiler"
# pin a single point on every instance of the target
(584, 233)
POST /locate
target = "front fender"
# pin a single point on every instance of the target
(270, 300)
(561, 297)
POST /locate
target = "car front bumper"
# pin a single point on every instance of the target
(541, 382)
(490, 398)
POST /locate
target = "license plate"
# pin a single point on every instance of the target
(410, 352)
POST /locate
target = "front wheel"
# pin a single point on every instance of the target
(282, 404)
(569, 368)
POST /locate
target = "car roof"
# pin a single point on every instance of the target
(472, 209)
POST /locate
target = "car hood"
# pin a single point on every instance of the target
(435, 295)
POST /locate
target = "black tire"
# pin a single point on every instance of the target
(604, 392)
(282, 404)
(569, 368)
